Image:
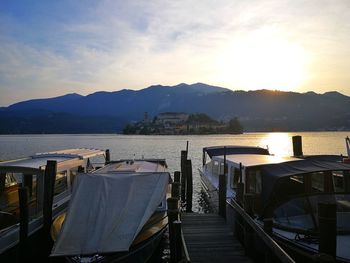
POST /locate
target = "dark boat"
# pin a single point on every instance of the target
(288, 190)
(123, 210)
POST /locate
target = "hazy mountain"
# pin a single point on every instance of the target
(261, 110)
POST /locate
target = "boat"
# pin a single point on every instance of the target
(116, 214)
(286, 189)
(31, 172)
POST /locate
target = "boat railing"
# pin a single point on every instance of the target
(255, 228)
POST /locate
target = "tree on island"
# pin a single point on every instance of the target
(234, 126)
(197, 123)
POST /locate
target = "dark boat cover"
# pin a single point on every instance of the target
(272, 173)
(220, 150)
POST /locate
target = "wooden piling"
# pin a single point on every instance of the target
(297, 146)
(327, 218)
(248, 204)
(175, 190)
(178, 241)
(222, 195)
(239, 193)
(23, 222)
(268, 224)
(2, 182)
(189, 186)
(49, 184)
(108, 156)
(183, 175)
(28, 182)
(173, 215)
(177, 177)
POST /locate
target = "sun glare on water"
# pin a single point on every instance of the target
(279, 144)
(257, 62)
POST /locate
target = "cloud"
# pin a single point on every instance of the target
(110, 45)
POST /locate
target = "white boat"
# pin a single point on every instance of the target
(287, 190)
(116, 214)
(30, 172)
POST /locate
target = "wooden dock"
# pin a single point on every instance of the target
(209, 239)
(196, 237)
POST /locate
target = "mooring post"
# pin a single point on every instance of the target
(222, 195)
(268, 224)
(178, 241)
(248, 204)
(183, 175)
(189, 186)
(49, 185)
(248, 200)
(297, 146)
(28, 182)
(327, 220)
(23, 222)
(173, 215)
(175, 190)
(108, 157)
(239, 193)
(177, 176)
(2, 182)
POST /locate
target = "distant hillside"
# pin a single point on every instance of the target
(261, 110)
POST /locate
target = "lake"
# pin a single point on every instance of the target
(169, 147)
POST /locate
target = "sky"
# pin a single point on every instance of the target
(51, 48)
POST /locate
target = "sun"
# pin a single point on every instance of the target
(260, 62)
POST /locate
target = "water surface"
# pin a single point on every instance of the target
(169, 147)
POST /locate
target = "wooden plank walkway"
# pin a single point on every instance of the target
(209, 239)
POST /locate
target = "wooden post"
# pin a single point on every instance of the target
(177, 176)
(173, 215)
(49, 185)
(248, 204)
(327, 218)
(268, 224)
(108, 157)
(222, 195)
(28, 182)
(2, 182)
(23, 222)
(189, 186)
(178, 241)
(239, 193)
(297, 146)
(175, 190)
(248, 231)
(183, 175)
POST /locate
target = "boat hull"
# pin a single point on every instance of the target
(210, 192)
(140, 253)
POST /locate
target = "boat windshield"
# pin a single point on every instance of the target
(301, 214)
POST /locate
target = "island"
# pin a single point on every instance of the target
(179, 123)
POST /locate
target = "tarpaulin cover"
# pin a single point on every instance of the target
(107, 211)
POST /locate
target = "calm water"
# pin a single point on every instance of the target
(169, 147)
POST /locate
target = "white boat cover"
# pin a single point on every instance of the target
(107, 211)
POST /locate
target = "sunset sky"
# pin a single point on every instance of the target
(50, 48)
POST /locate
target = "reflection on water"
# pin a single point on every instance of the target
(203, 204)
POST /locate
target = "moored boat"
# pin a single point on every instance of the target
(288, 190)
(30, 172)
(123, 210)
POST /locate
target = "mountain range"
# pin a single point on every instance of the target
(109, 112)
